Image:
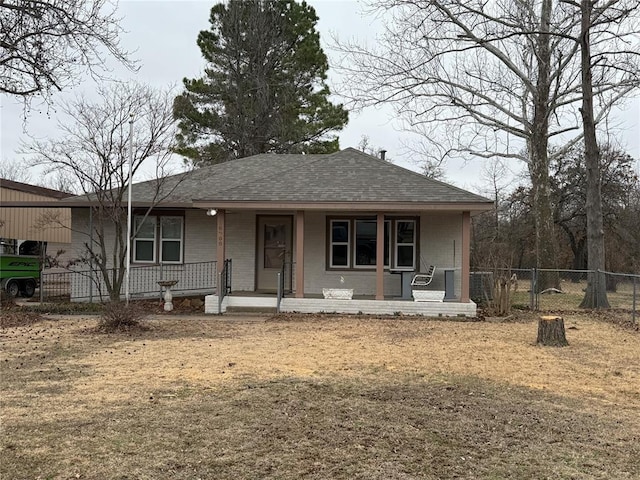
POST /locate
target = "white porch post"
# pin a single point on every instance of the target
(466, 256)
(380, 257)
(299, 254)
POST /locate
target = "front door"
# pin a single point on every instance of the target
(274, 248)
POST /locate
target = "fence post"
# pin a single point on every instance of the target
(635, 303)
(90, 256)
(279, 292)
(220, 294)
(532, 290)
(90, 280)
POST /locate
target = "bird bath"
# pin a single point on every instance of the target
(168, 297)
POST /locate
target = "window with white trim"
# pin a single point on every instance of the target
(158, 237)
(339, 245)
(171, 239)
(405, 254)
(144, 243)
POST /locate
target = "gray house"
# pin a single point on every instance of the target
(318, 226)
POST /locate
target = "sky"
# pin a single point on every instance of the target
(163, 34)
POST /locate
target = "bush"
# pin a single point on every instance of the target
(120, 316)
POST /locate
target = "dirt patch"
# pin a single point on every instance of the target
(319, 397)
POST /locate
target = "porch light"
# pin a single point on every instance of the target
(212, 212)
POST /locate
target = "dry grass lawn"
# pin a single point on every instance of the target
(319, 397)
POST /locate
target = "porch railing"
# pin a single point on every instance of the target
(280, 291)
(89, 285)
(224, 283)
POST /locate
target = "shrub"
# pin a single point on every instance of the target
(120, 316)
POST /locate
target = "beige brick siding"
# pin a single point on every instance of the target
(438, 232)
(241, 248)
(440, 245)
(199, 237)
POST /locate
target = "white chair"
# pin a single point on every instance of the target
(423, 279)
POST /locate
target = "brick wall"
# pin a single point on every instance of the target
(241, 248)
(199, 237)
(440, 245)
(438, 233)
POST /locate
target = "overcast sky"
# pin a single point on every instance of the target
(163, 34)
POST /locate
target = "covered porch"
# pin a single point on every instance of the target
(380, 287)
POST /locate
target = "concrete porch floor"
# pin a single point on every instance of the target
(359, 304)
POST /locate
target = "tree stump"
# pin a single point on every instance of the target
(551, 332)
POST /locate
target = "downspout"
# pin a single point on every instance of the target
(90, 255)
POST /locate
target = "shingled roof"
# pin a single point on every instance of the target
(346, 177)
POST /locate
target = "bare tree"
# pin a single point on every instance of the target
(592, 18)
(94, 150)
(60, 181)
(365, 145)
(486, 79)
(47, 44)
(15, 171)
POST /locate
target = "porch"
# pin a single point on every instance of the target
(358, 305)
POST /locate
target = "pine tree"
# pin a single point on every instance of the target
(264, 86)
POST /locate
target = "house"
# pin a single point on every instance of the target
(306, 223)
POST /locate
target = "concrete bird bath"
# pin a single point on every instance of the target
(168, 297)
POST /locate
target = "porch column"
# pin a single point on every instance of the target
(220, 248)
(466, 256)
(380, 257)
(299, 254)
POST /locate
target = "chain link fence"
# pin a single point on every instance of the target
(559, 290)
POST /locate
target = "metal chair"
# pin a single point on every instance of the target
(423, 279)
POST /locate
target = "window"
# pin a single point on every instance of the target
(144, 242)
(366, 241)
(158, 236)
(339, 249)
(171, 239)
(405, 243)
(353, 243)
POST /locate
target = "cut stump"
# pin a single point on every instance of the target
(551, 332)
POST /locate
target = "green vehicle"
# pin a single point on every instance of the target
(19, 274)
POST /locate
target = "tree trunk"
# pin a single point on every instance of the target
(596, 293)
(539, 159)
(551, 332)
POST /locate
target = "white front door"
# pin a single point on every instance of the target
(274, 248)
